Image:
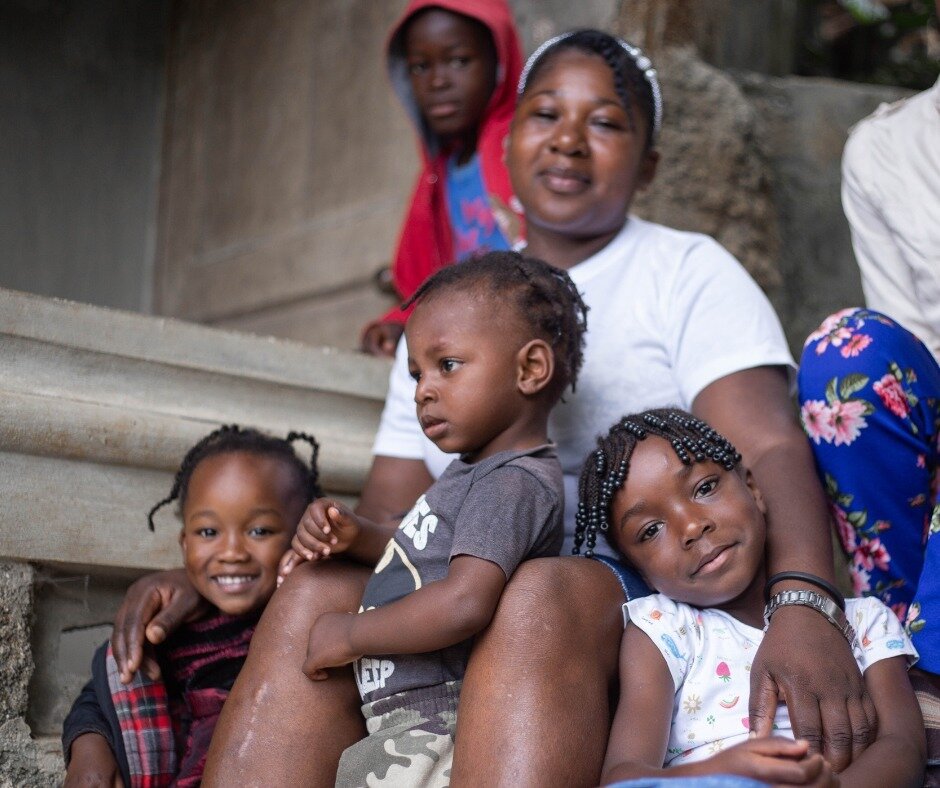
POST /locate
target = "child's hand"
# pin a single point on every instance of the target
(326, 527)
(93, 764)
(774, 760)
(381, 339)
(328, 645)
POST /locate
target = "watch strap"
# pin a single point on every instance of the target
(818, 602)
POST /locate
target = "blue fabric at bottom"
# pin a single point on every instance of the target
(709, 781)
(631, 583)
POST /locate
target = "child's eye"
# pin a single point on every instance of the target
(706, 488)
(417, 68)
(206, 533)
(607, 123)
(449, 365)
(545, 114)
(415, 375)
(459, 61)
(261, 530)
(649, 531)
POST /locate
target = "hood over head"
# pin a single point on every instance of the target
(497, 17)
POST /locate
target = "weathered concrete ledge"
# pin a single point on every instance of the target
(97, 408)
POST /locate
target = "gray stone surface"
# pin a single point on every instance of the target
(803, 124)
(713, 176)
(26, 762)
(74, 611)
(16, 662)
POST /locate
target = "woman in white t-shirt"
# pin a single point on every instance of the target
(674, 320)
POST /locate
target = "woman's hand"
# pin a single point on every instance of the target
(329, 644)
(807, 662)
(381, 339)
(93, 765)
(153, 607)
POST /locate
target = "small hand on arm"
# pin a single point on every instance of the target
(803, 657)
(440, 614)
(381, 339)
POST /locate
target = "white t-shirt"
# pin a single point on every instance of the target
(670, 313)
(891, 197)
(709, 654)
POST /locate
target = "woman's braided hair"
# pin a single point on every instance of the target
(232, 438)
(634, 77)
(543, 297)
(605, 470)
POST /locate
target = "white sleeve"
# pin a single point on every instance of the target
(399, 432)
(879, 633)
(718, 321)
(887, 279)
(670, 626)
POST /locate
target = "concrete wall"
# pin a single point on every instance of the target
(81, 124)
(803, 124)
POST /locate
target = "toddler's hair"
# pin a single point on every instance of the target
(232, 438)
(544, 298)
(605, 470)
(635, 79)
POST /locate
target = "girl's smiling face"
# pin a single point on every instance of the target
(240, 513)
(575, 156)
(695, 532)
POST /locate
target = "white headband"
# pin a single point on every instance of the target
(636, 55)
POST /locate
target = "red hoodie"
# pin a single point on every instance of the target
(426, 242)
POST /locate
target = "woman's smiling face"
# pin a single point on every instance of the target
(575, 156)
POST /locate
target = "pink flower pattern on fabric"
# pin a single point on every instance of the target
(892, 394)
(855, 345)
(848, 420)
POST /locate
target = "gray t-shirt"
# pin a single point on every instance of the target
(504, 509)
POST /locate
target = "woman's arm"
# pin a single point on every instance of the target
(898, 755)
(440, 614)
(829, 705)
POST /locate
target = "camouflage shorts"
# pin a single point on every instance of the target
(410, 741)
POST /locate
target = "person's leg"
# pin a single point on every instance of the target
(870, 403)
(278, 727)
(535, 707)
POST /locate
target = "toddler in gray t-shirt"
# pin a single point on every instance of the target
(492, 344)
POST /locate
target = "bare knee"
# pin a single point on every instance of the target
(556, 606)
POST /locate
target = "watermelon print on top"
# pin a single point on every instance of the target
(870, 405)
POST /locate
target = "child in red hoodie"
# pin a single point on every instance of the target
(454, 64)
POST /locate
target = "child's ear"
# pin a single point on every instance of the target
(647, 169)
(755, 491)
(536, 366)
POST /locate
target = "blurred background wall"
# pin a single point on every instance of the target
(245, 164)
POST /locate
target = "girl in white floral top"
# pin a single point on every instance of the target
(672, 497)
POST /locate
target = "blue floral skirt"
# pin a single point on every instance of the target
(870, 403)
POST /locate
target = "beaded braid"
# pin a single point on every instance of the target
(635, 79)
(545, 299)
(607, 467)
(233, 438)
